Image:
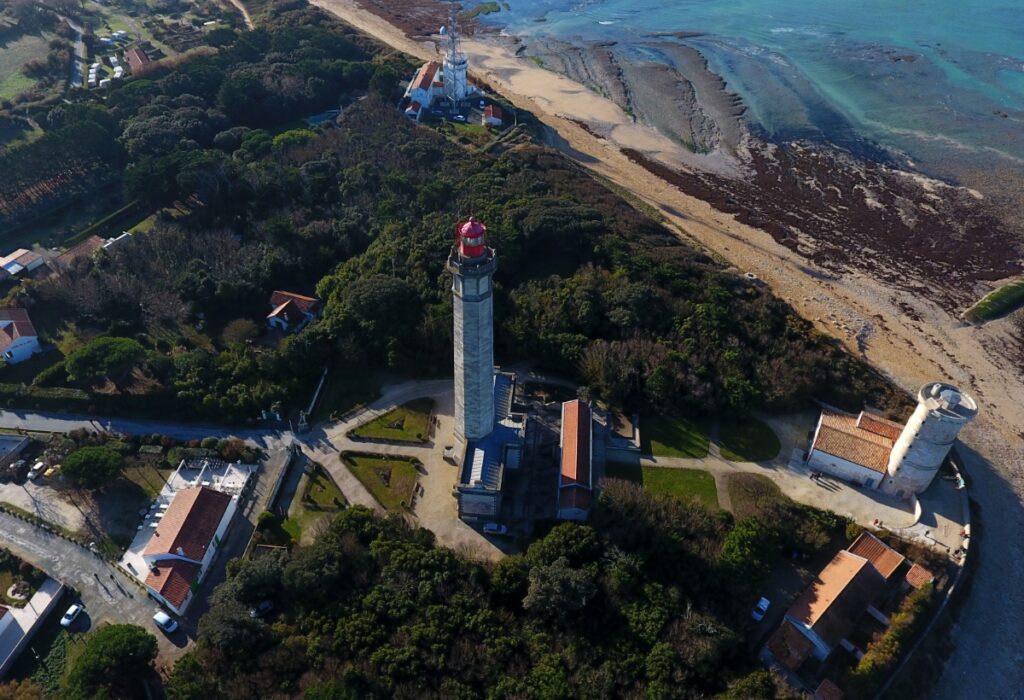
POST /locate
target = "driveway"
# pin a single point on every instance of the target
(108, 595)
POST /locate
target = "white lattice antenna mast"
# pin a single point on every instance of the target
(456, 65)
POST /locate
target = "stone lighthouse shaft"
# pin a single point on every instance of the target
(472, 265)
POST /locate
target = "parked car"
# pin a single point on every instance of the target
(71, 615)
(761, 609)
(261, 609)
(36, 471)
(495, 529)
(164, 622)
(459, 118)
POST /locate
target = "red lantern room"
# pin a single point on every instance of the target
(471, 239)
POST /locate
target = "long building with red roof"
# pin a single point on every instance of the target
(185, 542)
(575, 479)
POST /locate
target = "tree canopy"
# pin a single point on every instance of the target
(93, 467)
(115, 663)
(103, 358)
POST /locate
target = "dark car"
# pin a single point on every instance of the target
(261, 609)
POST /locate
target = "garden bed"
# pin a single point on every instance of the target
(410, 422)
(391, 480)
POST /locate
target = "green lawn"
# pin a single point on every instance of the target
(669, 481)
(16, 54)
(407, 423)
(747, 439)
(390, 480)
(663, 436)
(320, 499)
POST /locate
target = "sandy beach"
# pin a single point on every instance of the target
(912, 336)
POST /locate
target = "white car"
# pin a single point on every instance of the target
(761, 609)
(164, 622)
(73, 612)
(459, 118)
(36, 470)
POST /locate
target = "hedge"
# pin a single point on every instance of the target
(31, 396)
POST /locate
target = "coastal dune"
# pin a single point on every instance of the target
(913, 337)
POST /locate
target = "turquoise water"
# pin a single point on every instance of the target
(938, 80)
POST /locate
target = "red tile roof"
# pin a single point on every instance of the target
(290, 311)
(883, 557)
(493, 111)
(14, 324)
(841, 435)
(576, 443)
(575, 497)
(308, 305)
(827, 690)
(137, 58)
(789, 645)
(838, 597)
(189, 523)
(84, 249)
(173, 579)
(879, 426)
(425, 75)
(918, 576)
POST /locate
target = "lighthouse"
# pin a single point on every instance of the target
(942, 412)
(472, 265)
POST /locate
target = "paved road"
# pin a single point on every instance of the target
(47, 421)
(109, 596)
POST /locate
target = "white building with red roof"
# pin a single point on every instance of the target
(575, 478)
(18, 339)
(425, 86)
(853, 448)
(184, 543)
(290, 311)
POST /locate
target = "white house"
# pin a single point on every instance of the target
(575, 490)
(425, 86)
(18, 339)
(290, 311)
(185, 542)
(493, 116)
(853, 448)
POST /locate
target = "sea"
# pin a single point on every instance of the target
(938, 84)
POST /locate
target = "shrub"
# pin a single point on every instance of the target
(114, 663)
(52, 376)
(102, 358)
(208, 443)
(853, 531)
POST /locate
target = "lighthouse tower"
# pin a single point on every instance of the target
(472, 265)
(456, 64)
(942, 411)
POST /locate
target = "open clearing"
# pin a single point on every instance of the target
(15, 54)
(663, 436)
(747, 439)
(669, 481)
(409, 422)
(390, 480)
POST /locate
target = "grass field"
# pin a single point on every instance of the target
(344, 392)
(410, 422)
(753, 495)
(747, 439)
(13, 56)
(390, 480)
(147, 477)
(997, 303)
(663, 436)
(667, 481)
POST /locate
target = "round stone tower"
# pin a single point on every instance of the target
(472, 265)
(942, 411)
